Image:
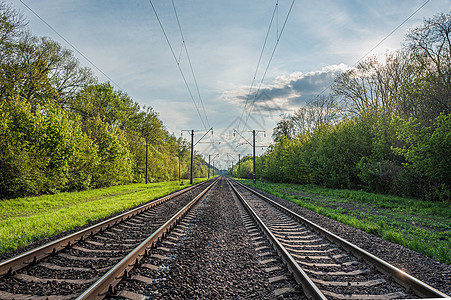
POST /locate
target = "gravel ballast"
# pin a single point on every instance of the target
(424, 268)
(215, 258)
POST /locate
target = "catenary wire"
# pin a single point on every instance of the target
(178, 64)
(70, 44)
(192, 69)
(190, 64)
(258, 65)
(269, 62)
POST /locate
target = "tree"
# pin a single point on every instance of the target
(372, 85)
(116, 160)
(427, 151)
(61, 130)
(101, 100)
(24, 73)
(429, 90)
(64, 70)
(42, 150)
(150, 126)
(285, 128)
(12, 23)
(306, 119)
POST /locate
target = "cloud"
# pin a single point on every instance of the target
(286, 92)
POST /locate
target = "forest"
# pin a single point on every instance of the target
(63, 130)
(385, 127)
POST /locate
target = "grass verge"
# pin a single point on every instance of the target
(422, 226)
(25, 220)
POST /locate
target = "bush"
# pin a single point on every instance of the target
(379, 176)
(42, 150)
(336, 151)
(427, 151)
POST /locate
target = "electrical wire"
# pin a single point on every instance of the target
(269, 62)
(190, 64)
(258, 65)
(377, 45)
(70, 44)
(177, 62)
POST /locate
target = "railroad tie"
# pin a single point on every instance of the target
(131, 295)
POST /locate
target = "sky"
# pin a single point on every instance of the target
(307, 45)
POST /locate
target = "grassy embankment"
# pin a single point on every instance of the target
(25, 220)
(422, 226)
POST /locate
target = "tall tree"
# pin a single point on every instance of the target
(65, 73)
(430, 47)
(12, 24)
(373, 85)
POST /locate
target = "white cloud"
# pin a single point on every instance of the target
(224, 38)
(286, 92)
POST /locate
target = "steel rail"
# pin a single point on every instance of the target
(309, 288)
(107, 282)
(13, 264)
(408, 281)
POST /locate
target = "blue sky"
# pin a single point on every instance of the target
(224, 40)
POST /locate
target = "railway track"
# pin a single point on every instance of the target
(76, 266)
(327, 266)
(223, 240)
(214, 252)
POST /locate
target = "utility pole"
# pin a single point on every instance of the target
(179, 166)
(253, 149)
(192, 157)
(209, 166)
(239, 161)
(146, 159)
(192, 150)
(213, 161)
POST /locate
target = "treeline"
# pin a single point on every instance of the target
(62, 130)
(385, 127)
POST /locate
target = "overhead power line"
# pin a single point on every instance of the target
(269, 62)
(378, 44)
(190, 64)
(258, 64)
(70, 44)
(177, 62)
(397, 27)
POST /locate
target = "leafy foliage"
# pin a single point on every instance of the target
(61, 130)
(385, 127)
(427, 151)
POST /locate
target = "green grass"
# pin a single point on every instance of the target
(25, 220)
(422, 226)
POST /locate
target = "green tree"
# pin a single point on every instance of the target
(24, 72)
(115, 159)
(42, 150)
(427, 152)
(428, 93)
(63, 70)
